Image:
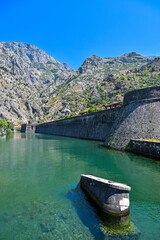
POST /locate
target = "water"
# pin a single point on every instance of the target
(38, 195)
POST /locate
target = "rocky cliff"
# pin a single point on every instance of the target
(27, 76)
(33, 85)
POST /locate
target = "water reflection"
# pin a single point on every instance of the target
(37, 172)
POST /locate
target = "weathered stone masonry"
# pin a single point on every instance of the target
(139, 118)
(94, 126)
(111, 197)
(145, 147)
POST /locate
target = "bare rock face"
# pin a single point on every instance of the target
(27, 74)
(34, 85)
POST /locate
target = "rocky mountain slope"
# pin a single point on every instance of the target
(27, 75)
(99, 81)
(33, 85)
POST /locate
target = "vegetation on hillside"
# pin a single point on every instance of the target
(107, 90)
(34, 86)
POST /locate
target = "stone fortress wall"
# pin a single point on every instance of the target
(93, 126)
(137, 118)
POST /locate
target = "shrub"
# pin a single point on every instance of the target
(67, 116)
(6, 125)
(3, 123)
(8, 131)
(90, 110)
(72, 115)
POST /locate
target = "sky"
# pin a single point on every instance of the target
(72, 30)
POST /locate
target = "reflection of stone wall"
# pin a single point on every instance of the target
(145, 147)
(139, 117)
(94, 126)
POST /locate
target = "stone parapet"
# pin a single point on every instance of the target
(145, 94)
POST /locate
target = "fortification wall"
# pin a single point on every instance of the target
(139, 117)
(94, 126)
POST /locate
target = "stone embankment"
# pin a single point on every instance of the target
(145, 147)
(137, 118)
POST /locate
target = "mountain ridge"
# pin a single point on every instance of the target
(34, 85)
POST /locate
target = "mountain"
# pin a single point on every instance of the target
(27, 75)
(99, 81)
(33, 85)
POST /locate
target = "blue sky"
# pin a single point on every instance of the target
(72, 30)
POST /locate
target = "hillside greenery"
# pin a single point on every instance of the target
(110, 89)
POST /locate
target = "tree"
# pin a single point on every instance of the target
(10, 125)
(3, 123)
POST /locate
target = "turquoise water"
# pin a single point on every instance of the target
(39, 198)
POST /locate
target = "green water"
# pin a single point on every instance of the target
(38, 195)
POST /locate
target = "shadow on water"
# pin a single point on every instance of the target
(101, 225)
(86, 211)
